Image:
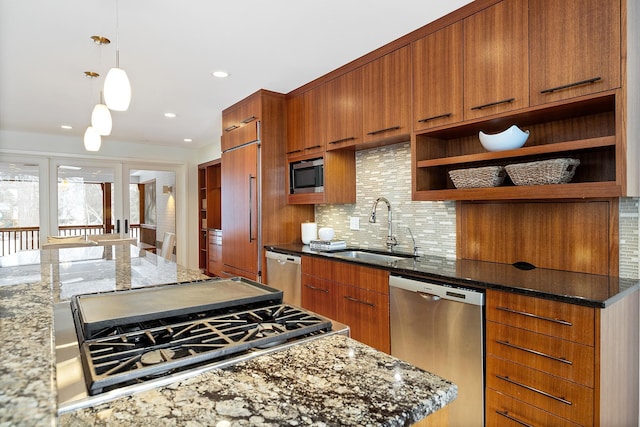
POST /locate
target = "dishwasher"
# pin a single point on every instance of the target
(440, 328)
(283, 272)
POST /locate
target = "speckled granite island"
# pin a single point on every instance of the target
(330, 381)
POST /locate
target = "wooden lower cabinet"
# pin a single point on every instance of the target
(351, 294)
(551, 363)
(505, 411)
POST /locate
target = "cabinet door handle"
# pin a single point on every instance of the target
(537, 353)
(251, 239)
(294, 151)
(338, 141)
(315, 288)
(352, 299)
(313, 148)
(535, 316)
(248, 120)
(570, 85)
(535, 390)
(441, 116)
(493, 104)
(512, 418)
(375, 132)
(230, 128)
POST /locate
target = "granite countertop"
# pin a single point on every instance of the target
(575, 288)
(328, 381)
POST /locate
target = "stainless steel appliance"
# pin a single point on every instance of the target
(306, 176)
(114, 344)
(284, 273)
(440, 328)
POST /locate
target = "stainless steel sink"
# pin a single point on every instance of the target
(371, 256)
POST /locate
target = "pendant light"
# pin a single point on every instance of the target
(92, 139)
(101, 118)
(117, 89)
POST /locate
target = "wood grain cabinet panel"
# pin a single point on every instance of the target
(574, 48)
(387, 97)
(496, 60)
(552, 318)
(505, 411)
(562, 358)
(343, 110)
(319, 296)
(437, 78)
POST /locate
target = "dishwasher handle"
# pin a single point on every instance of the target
(428, 296)
(431, 291)
(282, 258)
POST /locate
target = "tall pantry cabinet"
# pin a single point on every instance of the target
(254, 197)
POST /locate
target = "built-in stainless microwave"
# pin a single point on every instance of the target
(306, 176)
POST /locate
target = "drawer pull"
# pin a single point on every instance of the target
(537, 353)
(570, 85)
(375, 132)
(535, 316)
(428, 119)
(314, 288)
(535, 390)
(230, 128)
(294, 151)
(338, 141)
(313, 148)
(352, 299)
(512, 418)
(248, 120)
(493, 104)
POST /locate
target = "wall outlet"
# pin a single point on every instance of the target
(354, 223)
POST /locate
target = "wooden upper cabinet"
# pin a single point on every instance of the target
(305, 122)
(343, 101)
(496, 59)
(437, 78)
(387, 96)
(574, 48)
(240, 123)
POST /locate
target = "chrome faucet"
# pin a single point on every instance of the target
(391, 241)
(415, 248)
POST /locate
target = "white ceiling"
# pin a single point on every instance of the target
(169, 49)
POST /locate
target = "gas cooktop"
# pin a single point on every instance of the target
(128, 341)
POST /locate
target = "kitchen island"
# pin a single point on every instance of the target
(328, 381)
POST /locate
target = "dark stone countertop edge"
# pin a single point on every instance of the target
(628, 286)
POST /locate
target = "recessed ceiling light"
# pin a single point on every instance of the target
(170, 115)
(220, 74)
(66, 127)
(188, 140)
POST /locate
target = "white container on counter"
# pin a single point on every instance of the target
(309, 232)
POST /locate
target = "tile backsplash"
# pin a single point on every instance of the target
(386, 172)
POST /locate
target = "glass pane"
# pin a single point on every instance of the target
(19, 207)
(85, 200)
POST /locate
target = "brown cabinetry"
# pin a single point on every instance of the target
(255, 210)
(496, 60)
(209, 208)
(240, 124)
(386, 94)
(355, 295)
(437, 78)
(574, 48)
(343, 110)
(548, 362)
(306, 123)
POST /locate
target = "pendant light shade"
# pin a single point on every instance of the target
(101, 119)
(117, 90)
(92, 139)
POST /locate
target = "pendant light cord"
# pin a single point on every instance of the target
(117, 35)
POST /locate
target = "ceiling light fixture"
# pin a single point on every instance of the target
(101, 118)
(220, 74)
(100, 40)
(188, 140)
(92, 139)
(170, 115)
(66, 127)
(117, 89)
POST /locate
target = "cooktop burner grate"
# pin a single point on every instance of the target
(140, 351)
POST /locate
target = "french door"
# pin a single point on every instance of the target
(108, 197)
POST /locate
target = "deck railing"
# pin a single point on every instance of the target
(28, 238)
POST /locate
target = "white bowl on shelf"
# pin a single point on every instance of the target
(509, 139)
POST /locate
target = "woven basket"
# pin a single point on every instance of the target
(488, 176)
(556, 171)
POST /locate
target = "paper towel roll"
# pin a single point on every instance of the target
(309, 232)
